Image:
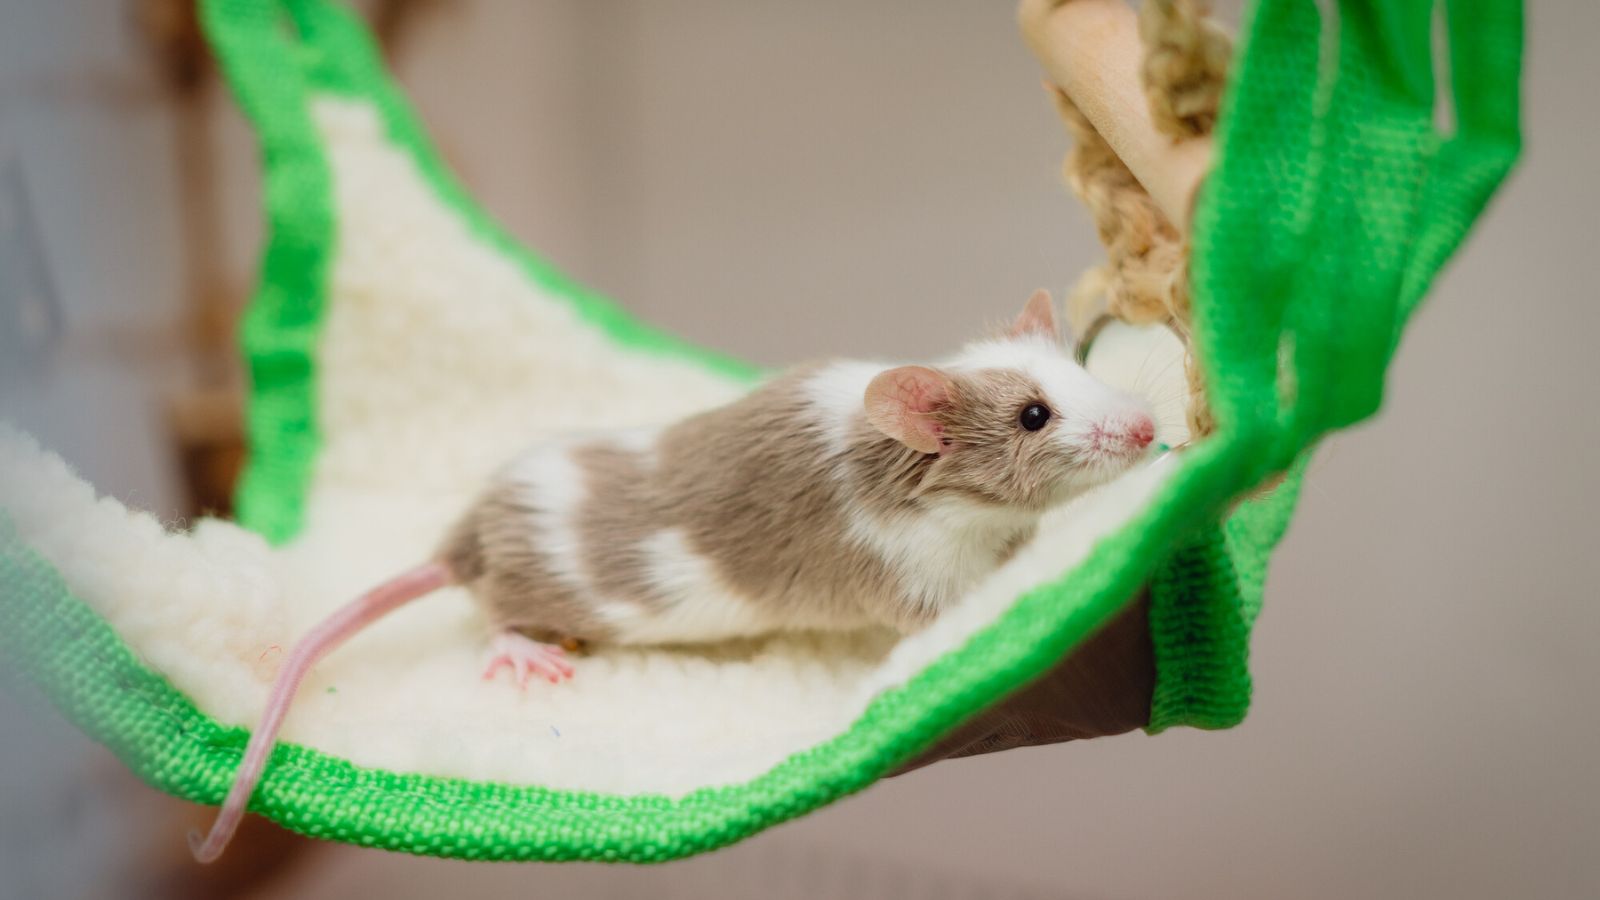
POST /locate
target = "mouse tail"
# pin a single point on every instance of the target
(329, 634)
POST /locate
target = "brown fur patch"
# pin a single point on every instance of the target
(494, 552)
(751, 487)
(621, 510)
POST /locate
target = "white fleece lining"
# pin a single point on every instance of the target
(438, 360)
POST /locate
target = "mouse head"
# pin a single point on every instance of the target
(1012, 420)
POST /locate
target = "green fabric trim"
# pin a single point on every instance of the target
(283, 321)
(1331, 205)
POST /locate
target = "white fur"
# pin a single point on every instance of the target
(639, 440)
(698, 605)
(941, 553)
(440, 360)
(553, 486)
(838, 393)
(1080, 400)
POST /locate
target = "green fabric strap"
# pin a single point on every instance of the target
(1334, 200)
(280, 328)
(1332, 203)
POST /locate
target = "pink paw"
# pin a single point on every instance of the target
(526, 657)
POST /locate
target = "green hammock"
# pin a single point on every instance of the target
(1333, 201)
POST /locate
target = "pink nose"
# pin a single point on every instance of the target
(1142, 431)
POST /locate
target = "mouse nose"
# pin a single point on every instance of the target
(1142, 431)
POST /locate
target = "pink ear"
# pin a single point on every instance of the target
(901, 404)
(1037, 317)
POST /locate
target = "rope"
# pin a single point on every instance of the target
(1145, 279)
(1185, 65)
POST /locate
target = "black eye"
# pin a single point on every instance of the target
(1034, 417)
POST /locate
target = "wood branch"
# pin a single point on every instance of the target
(1091, 50)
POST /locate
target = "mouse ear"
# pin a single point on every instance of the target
(902, 404)
(1037, 317)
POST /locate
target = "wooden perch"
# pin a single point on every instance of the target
(1091, 50)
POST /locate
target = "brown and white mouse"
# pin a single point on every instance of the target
(834, 496)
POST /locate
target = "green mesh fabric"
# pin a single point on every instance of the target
(1332, 204)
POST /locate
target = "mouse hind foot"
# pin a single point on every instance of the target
(526, 657)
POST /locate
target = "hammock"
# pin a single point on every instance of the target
(400, 345)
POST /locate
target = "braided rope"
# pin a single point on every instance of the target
(1185, 65)
(1146, 279)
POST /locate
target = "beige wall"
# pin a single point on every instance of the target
(788, 180)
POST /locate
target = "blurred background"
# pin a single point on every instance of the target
(788, 180)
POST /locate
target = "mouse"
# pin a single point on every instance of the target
(835, 495)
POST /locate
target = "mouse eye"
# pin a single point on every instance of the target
(1034, 416)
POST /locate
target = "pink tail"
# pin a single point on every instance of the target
(332, 632)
